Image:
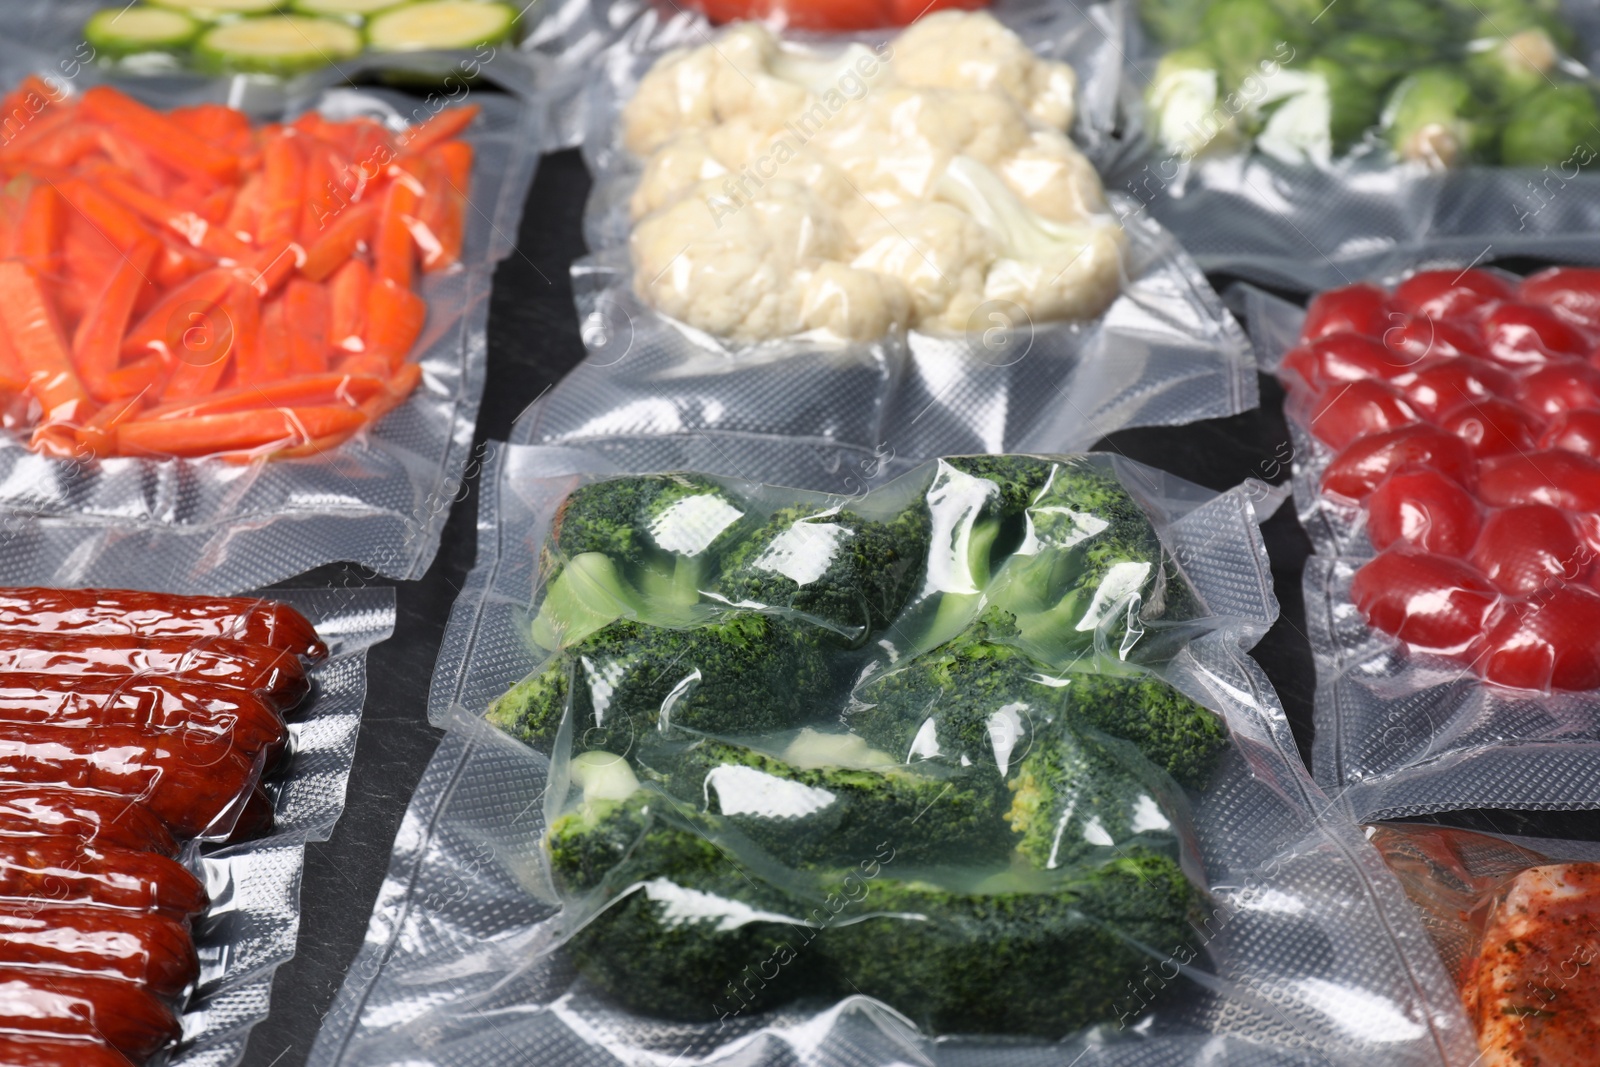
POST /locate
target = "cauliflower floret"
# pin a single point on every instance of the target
(729, 268)
(1053, 178)
(745, 159)
(972, 50)
(898, 142)
(859, 305)
(939, 253)
(1052, 270)
(682, 163)
(745, 74)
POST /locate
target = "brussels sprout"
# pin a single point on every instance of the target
(1496, 20)
(1549, 126)
(1185, 103)
(1377, 60)
(1244, 34)
(1430, 118)
(1417, 20)
(1171, 21)
(1520, 64)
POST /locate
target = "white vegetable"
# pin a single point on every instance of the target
(1184, 100)
(603, 776)
(1300, 129)
(1052, 270)
(939, 253)
(813, 750)
(972, 50)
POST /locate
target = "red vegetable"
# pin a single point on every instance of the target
(1521, 335)
(1450, 293)
(1574, 431)
(1570, 291)
(1491, 427)
(1425, 509)
(1549, 641)
(1349, 411)
(1433, 602)
(1531, 547)
(1439, 386)
(1561, 479)
(1358, 469)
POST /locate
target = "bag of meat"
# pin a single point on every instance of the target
(1518, 926)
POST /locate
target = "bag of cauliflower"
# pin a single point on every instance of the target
(908, 205)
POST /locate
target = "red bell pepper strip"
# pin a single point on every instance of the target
(97, 346)
(41, 351)
(164, 139)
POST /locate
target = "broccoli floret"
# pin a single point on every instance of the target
(849, 572)
(742, 672)
(1042, 963)
(639, 547)
(590, 841)
(971, 701)
(631, 518)
(808, 810)
(691, 934)
(1075, 797)
(1173, 732)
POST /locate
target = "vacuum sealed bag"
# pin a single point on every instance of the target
(166, 761)
(1300, 146)
(236, 349)
(880, 217)
(1514, 921)
(740, 773)
(1445, 471)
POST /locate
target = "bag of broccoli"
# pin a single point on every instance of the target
(745, 773)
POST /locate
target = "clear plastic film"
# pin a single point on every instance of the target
(492, 938)
(151, 848)
(1446, 598)
(1301, 148)
(1514, 922)
(375, 428)
(967, 258)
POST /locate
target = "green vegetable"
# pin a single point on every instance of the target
(1043, 962)
(1173, 732)
(1422, 21)
(849, 572)
(126, 31)
(1171, 21)
(1431, 118)
(823, 813)
(441, 25)
(689, 935)
(1185, 100)
(1516, 66)
(215, 10)
(1244, 34)
(354, 12)
(1353, 101)
(283, 45)
(742, 672)
(1550, 127)
(1376, 60)
(1075, 797)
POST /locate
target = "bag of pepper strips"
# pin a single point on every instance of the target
(164, 762)
(233, 349)
(1517, 924)
(1445, 467)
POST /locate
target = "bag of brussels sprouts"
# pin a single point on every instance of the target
(1300, 144)
(742, 773)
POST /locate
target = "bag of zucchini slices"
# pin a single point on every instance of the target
(952, 769)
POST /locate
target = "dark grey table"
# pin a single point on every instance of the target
(533, 341)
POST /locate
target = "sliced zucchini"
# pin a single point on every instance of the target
(128, 31)
(439, 25)
(354, 12)
(215, 10)
(279, 44)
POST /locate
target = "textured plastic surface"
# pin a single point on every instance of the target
(1400, 734)
(205, 525)
(1306, 227)
(1314, 956)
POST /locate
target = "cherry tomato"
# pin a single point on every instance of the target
(1348, 411)
(1449, 293)
(1531, 547)
(1548, 641)
(1491, 427)
(1338, 358)
(1560, 479)
(1360, 308)
(1438, 386)
(1413, 338)
(1561, 385)
(1356, 472)
(1521, 335)
(1432, 602)
(1570, 291)
(1574, 431)
(1425, 509)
